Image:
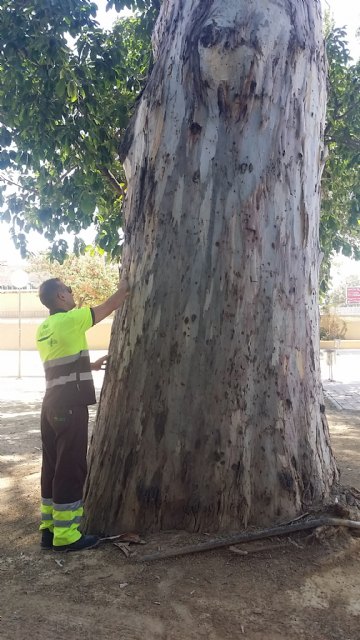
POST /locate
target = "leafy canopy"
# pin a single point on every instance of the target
(67, 91)
(340, 208)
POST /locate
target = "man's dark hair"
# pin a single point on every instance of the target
(48, 291)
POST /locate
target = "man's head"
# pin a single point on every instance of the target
(55, 295)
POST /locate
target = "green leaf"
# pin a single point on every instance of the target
(72, 90)
(87, 203)
(5, 137)
(60, 88)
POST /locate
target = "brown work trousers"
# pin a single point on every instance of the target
(64, 434)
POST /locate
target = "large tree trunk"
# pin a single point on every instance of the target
(212, 416)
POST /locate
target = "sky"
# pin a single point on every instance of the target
(345, 13)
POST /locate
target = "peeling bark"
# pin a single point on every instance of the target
(211, 416)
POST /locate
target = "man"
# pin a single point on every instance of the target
(70, 389)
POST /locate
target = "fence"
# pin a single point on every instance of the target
(18, 330)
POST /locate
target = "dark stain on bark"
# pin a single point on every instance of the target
(252, 87)
(238, 468)
(159, 425)
(217, 438)
(186, 465)
(312, 357)
(210, 36)
(117, 505)
(174, 354)
(127, 139)
(286, 480)
(193, 506)
(129, 463)
(309, 492)
(144, 200)
(242, 112)
(195, 129)
(243, 167)
(223, 100)
(148, 495)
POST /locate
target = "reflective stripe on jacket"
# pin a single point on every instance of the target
(63, 348)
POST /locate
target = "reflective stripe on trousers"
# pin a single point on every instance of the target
(46, 510)
(62, 519)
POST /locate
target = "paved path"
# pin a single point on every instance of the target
(344, 397)
(340, 372)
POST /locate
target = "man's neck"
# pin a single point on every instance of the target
(53, 311)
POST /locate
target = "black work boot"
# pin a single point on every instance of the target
(85, 542)
(47, 537)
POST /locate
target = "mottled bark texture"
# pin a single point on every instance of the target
(211, 416)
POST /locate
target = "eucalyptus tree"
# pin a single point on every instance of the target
(211, 415)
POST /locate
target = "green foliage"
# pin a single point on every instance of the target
(67, 89)
(340, 209)
(90, 276)
(148, 9)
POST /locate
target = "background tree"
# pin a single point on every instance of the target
(66, 92)
(340, 206)
(211, 415)
(336, 295)
(90, 276)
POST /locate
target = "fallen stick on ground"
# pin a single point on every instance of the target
(251, 535)
(264, 548)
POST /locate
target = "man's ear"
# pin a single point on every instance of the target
(60, 295)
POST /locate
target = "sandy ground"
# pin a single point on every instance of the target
(308, 588)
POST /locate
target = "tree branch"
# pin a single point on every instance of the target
(16, 184)
(248, 536)
(112, 180)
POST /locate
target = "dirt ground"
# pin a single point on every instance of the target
(306, 589)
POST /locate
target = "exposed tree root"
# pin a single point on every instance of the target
(248, 536)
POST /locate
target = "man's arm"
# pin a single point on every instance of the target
(111, 304)
(99, 364)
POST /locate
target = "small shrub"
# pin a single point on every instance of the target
(332, 327)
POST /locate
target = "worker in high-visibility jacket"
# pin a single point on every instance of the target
(63, 348)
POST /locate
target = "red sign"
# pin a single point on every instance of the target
(353, 295)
